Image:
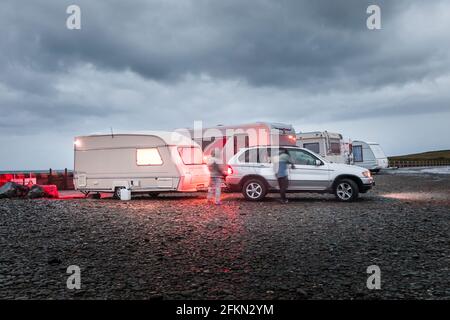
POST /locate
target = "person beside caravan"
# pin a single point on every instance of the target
(216, 174)
(281, 171)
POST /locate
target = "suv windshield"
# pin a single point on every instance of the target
(265, 154)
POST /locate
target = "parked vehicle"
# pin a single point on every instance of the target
(230, 139)
(251, 172)
(369, 155)
(143, 162)
(329, 145)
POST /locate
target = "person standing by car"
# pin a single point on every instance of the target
(216, 174)
(281, 172)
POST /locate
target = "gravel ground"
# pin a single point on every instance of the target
(178, 247)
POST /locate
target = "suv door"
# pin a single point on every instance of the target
(265, 166)
(307, 175)
(257, 161)
(247, 161)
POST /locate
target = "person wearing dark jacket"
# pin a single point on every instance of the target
(281, 172)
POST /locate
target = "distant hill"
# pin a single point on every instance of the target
(431, 155)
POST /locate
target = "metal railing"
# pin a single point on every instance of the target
(63, 179)
(418, 163)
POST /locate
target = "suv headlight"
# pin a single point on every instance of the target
(367, 174)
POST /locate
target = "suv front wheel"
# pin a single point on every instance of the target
(346, 190)
(254, 189)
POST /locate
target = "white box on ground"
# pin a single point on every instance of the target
(125, 194)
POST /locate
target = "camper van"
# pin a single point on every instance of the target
(230, 139)
(142, 162)
(329, 145)
(368, 155)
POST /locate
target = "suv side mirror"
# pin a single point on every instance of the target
(318, 162)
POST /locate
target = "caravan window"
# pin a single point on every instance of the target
(213, 143)
(335, 146)
(357, 153)
(240, 141)
(314, 147)
(148, 157)
(191, 155)
(207, 141)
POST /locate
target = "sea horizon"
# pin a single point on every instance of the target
(33, 171)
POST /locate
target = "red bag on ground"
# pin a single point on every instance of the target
(50, 190)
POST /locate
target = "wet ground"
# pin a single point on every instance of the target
(180, 247)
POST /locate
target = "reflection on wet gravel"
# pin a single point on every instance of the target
(178, 246)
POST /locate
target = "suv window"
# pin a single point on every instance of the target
(302, 157)
(249, 156)
(264, 155)
(256, 155)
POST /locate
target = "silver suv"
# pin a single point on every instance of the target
(251, 171)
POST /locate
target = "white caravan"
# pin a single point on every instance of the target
(329, 145)
(368, 155)
(142, 162)
(230, 139)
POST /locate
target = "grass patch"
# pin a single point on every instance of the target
(431, 155)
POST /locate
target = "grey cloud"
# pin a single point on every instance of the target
(163, 64)
(280, 43)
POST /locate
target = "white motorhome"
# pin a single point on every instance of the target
(230, 139)
(369, 155)
(142, 162)
(329, 145)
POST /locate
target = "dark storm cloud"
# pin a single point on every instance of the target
(162, 64)
(280, 43)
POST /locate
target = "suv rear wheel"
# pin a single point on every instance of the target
(346, 190)
(254, 189)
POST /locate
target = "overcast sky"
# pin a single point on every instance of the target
(151, 65)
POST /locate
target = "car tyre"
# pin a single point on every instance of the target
(346, 190)
(254, 189)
